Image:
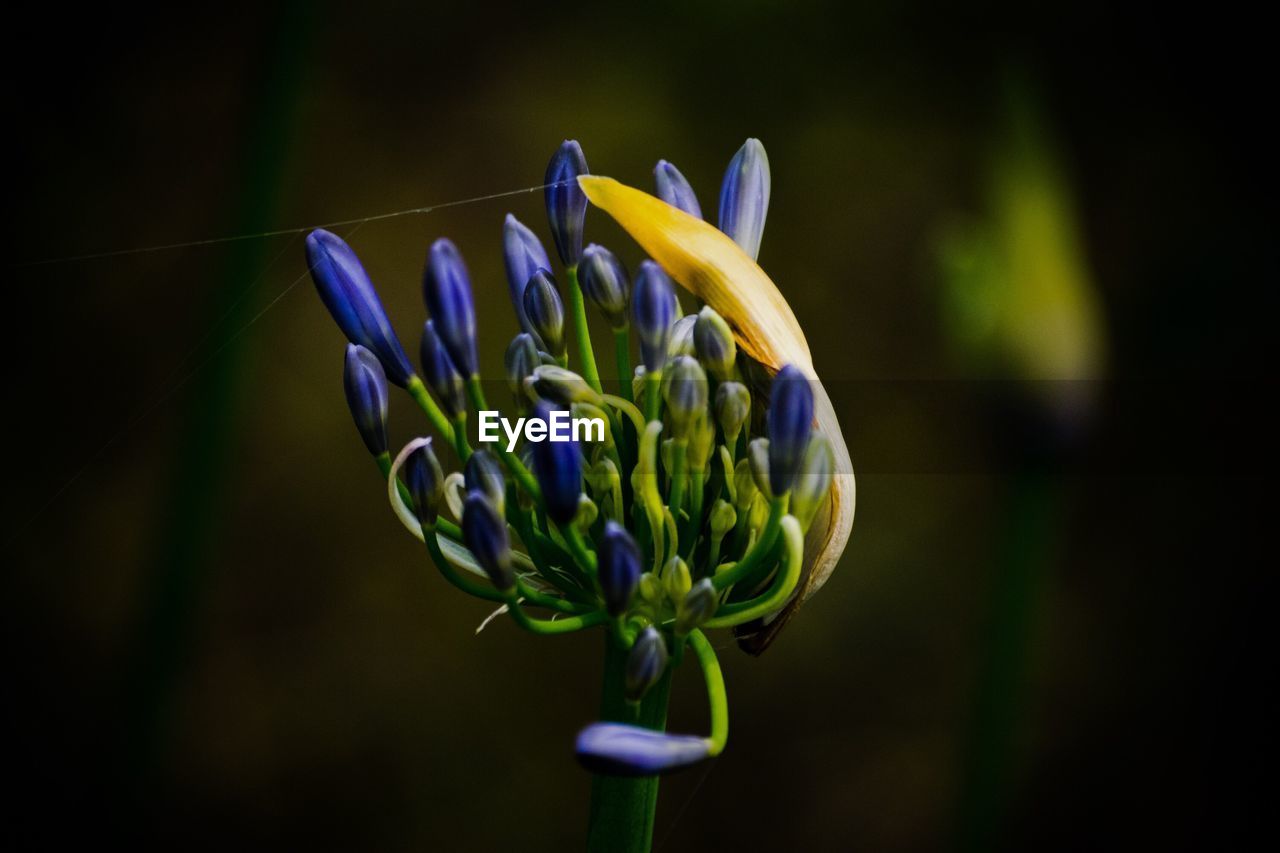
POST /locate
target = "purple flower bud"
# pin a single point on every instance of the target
(617, 749)
(545, 312)
(618, 568)
(558, 467)
(446, 287)
(605, 282)
(521, 360)
(439, 374)
(485, 533)
(790, 423)
(675, 190)
(366, 386)
(349, 295)
(653, 306)
(566, 203)
(645, 664)
(744, 197)
(424, 479)
(483, 475)
(524, 255)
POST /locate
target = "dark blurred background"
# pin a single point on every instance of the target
(1034, 255)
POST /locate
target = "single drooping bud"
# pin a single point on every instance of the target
(646, 663)
(485, 534)
(424, 479)
(733, 407)
(790, 423)
(653, 308)
(523, 255)
(605, 282)
(697, 606)
(365, 384)
(483, 475)
(521, 360)
(674, 189)
(677, 580)
(446, 288)
(439, 374)
(566, 203)
(347, 292)
(685, 390)
(681, 340)
(618, 568)
(545, 312)
(713, 342)
(558, 467)
(814, 481)
(758, 459)
(561, 385)
(617, 749)
(744, 197)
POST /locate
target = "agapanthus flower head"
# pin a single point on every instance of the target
(446, 288)
(713, 343)
(558, 467)
(424, 478)
(566, 204)
(617, 749)
(744, 197)
(345, 289)
(365, 385)
(619, 567)
(485, 532)
(790, 425)
(439, 374)
(606, 283)
(646, 664)
(674, 189)
(653, 307)
(544, 312)
(523, 255)
(483, 475)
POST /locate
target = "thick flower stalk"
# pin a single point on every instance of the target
(715, 494)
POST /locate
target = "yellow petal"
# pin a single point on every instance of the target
(710, 265)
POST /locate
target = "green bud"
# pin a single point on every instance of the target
(814, 480)
(588, 410)
(702, 440)
(697, 606)
(758, 457)
(650, 589)
(733, 407)
(713, 342)
(681, 342)
(685, 390)
(587, 513)
(744, 484)
(676, 580)
(723, 518)
(561, 385)
(758, 514)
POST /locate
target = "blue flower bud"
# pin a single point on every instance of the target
(645, 664)
(521, 360)
(439, 374)
(524, 255)
(653, 307)
(446, 287)
(545, 312)
(744, 197)
(617, 749)
(365, 384)
(713, 341)
(618, 567)
(697, 607)
(685, 390)
(347, 292)
(605, 282)
(566, 203)
(675, 190)
(558, 467)
(424, 478)
(790, 423)
(483, 475)
(485, 534)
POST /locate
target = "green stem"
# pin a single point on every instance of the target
(548, 627)
(578, 308)
(716, 696)
(622, 354)
(460, 443)
(422, 397)
(759, 551)
(783, 585)
(652, 394)
(623, 807)
(678, 454)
